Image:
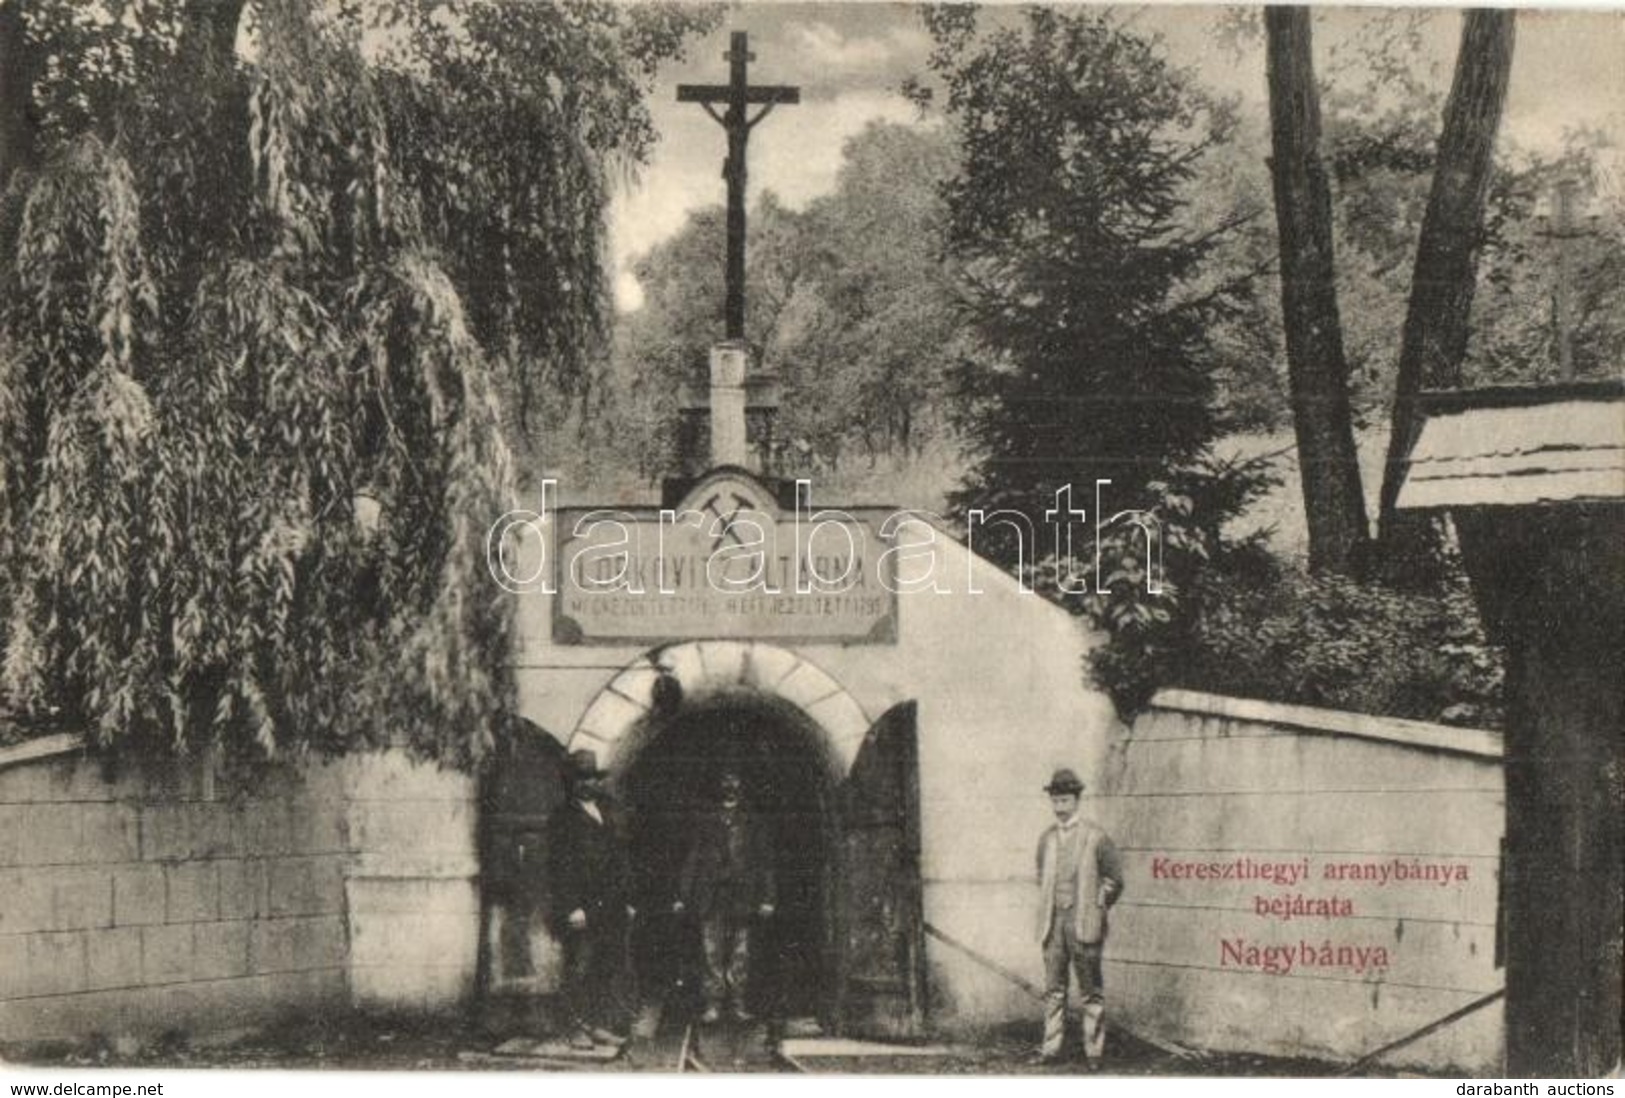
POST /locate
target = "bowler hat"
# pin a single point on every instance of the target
(584, 765)
(1063, 781)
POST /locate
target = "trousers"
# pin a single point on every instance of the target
(1063, 956)
(725, 938)
(593, 974)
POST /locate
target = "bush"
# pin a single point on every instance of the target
(1234, 619)
(1331, 641)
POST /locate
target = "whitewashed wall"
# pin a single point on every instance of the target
(998, 676)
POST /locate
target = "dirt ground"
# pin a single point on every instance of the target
(365, 1043)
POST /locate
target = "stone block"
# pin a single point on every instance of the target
(193, 829)
(216, 831)
(11, 833)
(56, 963)
(192, 891)
(411, 829)
(71, 1017)
(443, 987)
(221, 950)
(34, 782)
(26, 897)
(768, 665)
(109, 833)
(424, 896)
(845, 723)
(81, 898)
(636, 684)
(1247, 760)
(51, 835)
(138, 895)
(297, 943)
(264, 829)
(305, 886)
(684, 663)
(316, 990)
(282, 782)
(113, 958)
(165, 834)
(807, 685)
(392, 776)
(320, 781)
(167, 953)
(317, 827)
(1455, 958)
(167, 779)
(242, 888)
(291, 888)
(409, 987)
(13, 966)
(724, 663)
(414, 941)
(610, 717)
(101, 780)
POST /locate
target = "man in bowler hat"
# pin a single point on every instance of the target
(591, 880)
(727, 881)
(1080, 876)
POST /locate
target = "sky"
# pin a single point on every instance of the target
(850, 60)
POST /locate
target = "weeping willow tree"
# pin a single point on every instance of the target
(275, 278)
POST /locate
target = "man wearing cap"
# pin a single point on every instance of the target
(1080, 876)
(727, 881)
(591, 882)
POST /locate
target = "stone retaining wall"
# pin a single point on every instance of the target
(1208, 780)
(160, 899)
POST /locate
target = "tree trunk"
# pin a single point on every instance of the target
(1436, 322)
(1317, 370)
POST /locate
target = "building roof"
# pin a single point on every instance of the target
(1516, 446)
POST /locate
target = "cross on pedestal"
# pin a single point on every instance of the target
(736, 97)
(1562, 227)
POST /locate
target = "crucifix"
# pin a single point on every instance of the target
(736, 96)
(1562, 225)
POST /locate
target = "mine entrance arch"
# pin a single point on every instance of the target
(841, 793)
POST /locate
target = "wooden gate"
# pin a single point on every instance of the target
(879, 917)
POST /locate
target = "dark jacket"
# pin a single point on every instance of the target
(733, 870)
(587, 864)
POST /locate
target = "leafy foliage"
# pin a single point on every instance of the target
(1085, 281)
(1233, 618)
(254, 297)
(1382, 105)
(1146, 592)
(1277, 633)
(849, 304)
(1515, 338)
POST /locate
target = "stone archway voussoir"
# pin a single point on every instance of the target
(844, 720)
(724, 663)
(766, 667)
(703, 667)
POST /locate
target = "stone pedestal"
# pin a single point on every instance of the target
(730, 362)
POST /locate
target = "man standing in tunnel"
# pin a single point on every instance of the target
(1080, 876)
(591, 879)
(727, 881)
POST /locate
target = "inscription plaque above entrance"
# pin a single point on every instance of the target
(727, 562)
